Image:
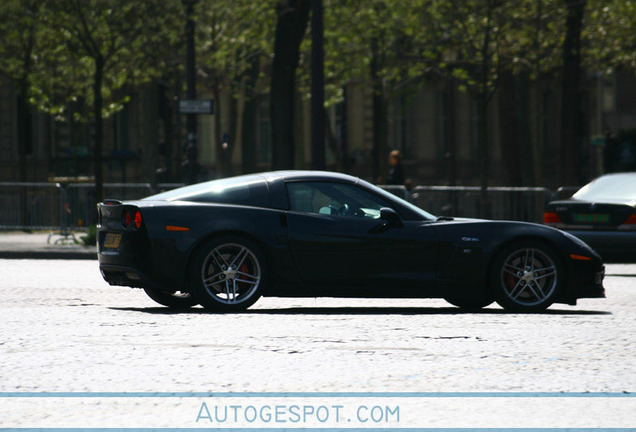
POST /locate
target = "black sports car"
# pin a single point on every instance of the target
(225, 243)
(602, 214)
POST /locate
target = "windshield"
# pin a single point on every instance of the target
(613, 187)
(424, 214)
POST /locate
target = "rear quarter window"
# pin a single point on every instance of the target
(250, 194)
(244, 190)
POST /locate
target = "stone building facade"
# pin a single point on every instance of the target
(434, 124)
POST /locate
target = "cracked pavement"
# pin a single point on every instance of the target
(64, 329)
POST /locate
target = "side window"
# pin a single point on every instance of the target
(249, 194)
(334, 199)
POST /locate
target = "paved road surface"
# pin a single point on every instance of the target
(64, 329)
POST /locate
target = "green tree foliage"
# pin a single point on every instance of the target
(470, 44)
(22, 29)
(609, 34)
(99, 47)
(230, 34)
(94, 53)
(21, 33)
(234, 37)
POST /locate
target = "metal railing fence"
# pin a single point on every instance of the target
(81, 198)
(505, 203)
(29, 205)
(53, 206)
(72, 206)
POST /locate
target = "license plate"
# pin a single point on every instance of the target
(112, 241)
(591, 217)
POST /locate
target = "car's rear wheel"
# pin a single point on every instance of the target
(526, 277)
(469, 304)
(176, 300)
(228, 274)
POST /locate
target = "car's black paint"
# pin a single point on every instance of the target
(399, 252)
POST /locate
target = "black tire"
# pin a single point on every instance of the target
(176, 300)
(526, 276)
(470, 304)
(228, 274)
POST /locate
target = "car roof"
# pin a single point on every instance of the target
(294, 175)
(274, 179)
(618, 175)
(611, 188)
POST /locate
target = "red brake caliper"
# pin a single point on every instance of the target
(510, 281)
(244, 268)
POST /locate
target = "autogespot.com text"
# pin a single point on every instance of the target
(308, 414)
(316, 410)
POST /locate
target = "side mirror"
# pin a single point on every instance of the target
(391, 217)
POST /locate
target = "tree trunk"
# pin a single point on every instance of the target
(514, 123)
(508, 129)
(250, 116)
(482, 108)
(149, 96)
(25, 134)
(318, 124)
(451, 151)
(167, 123)
(236, 108)
(522, 118)
(484, 153)
(24, 144)
(291, 25)
(98, 102)
(218, 133)
(536, 99)
(571, 133)
(379, 151)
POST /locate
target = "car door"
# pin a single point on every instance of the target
(337, 238)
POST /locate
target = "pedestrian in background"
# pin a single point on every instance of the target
(396, 172)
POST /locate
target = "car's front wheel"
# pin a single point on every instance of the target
(526, 277)
(228, 274)
(176, 300)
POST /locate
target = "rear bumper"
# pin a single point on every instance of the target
(125, 263)
(125, 276)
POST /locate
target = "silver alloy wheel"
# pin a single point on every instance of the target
(529, 276)
(231, 273)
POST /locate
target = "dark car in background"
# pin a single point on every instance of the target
(602, 214)
(225, 243)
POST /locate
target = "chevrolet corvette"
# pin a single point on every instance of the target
(225, 243)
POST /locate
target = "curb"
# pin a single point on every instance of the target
(49, 255)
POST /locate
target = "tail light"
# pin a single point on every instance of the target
(131, 218)
(631, 220)
(137, 219)
(127, 219)
(551, 218)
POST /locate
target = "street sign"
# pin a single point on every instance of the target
(598, 141)
(196, 106)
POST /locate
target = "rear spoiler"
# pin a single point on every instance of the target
(111, 202)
